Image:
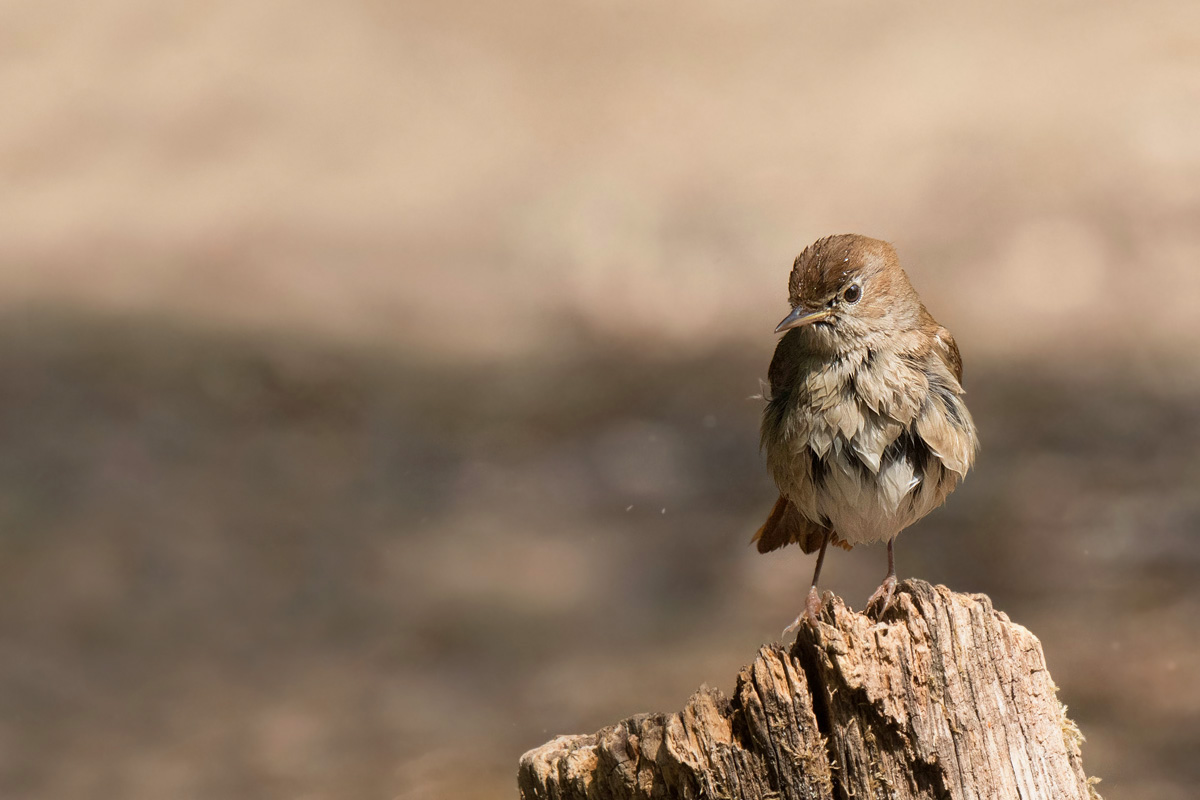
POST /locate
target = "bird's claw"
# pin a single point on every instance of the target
(884, 596)
(812, 610)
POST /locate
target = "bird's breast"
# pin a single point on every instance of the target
(844, 444)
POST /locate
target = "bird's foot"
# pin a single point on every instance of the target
(883, 597)
(812, 609)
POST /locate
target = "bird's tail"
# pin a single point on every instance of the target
(786, 525)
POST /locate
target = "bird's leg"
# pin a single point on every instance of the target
(812, 603)
(887, 590)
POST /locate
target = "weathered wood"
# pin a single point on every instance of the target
(946, 698)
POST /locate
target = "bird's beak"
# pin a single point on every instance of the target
(800, 317)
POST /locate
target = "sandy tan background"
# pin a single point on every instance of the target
(376, 377)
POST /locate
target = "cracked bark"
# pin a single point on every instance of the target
(946, 698)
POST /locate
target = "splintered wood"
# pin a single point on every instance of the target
(944, 699)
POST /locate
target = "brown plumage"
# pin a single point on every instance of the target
(865, 427)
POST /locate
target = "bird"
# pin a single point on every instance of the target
(865, 427)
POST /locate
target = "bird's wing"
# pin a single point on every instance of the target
(948, 350)
(786, 525)
(944, 422)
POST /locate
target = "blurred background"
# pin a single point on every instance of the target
(379, 378)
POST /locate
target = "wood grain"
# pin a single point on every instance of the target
(945, 698)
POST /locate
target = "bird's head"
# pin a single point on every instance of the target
(849, 291)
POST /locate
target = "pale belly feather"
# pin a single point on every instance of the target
(863, 501)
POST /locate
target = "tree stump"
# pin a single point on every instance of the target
(945, 698)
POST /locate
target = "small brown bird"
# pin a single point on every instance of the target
(865, 427)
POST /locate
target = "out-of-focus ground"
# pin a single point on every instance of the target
(376, 378)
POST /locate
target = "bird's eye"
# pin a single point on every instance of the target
(852, 293)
